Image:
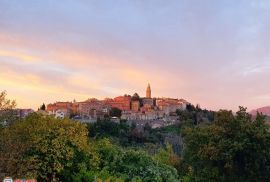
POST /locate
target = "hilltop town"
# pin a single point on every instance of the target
(131, 108)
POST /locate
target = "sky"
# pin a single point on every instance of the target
(215, 53)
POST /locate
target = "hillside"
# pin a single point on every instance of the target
(264, 110)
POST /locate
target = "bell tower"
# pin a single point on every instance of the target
(148, 91)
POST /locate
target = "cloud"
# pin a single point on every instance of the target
(253, 69)
(18, 55)
(214, 53)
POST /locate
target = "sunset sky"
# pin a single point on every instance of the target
(215, 53)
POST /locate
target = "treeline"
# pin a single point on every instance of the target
(225, 147)
(51, 149)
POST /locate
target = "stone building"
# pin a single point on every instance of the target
(93, 108)
(22, 113)
(135, 105)
(65, 106)
(169, 105)
(121, 102)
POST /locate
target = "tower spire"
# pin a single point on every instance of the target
(148, 91)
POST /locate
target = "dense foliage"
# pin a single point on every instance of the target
(127, 135)
(126, 165)
(233, 148)
(115, 112)
(195, 115)
(51, 149)
(41, 146)
(7, 112)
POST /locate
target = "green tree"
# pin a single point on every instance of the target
(233, 148)
(115, 112)
(132, 165)
(41, 147)
(8, 114)
(135, 97)
(42, 107)
(167, 156)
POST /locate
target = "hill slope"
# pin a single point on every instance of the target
(264, 110)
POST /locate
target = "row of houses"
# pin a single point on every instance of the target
(133, 108)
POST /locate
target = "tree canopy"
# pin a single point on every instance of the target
(233, 148)
(115, 112)
(135, 97)
(51, 149)
(7, 112)
(41, 146)
(42, 107)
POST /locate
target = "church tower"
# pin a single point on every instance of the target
(148, 91)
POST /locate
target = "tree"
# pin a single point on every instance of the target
(167, 156)
(8, 114)
(195, 114)
(135, 97)
(42, 107)
(233, 148)
(190, 107)
(115, 112)
(41, 147)
(132, 165)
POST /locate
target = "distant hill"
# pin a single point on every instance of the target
(264, 110)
